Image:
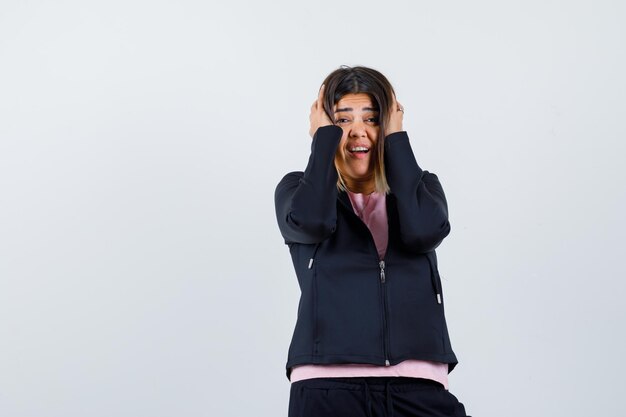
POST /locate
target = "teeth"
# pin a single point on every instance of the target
(359, 149)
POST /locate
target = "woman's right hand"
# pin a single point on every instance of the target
(318, 116)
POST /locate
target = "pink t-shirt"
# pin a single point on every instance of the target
(372, 209)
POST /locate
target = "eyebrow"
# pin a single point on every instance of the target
(350, 109)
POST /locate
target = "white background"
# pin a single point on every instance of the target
(142, 272)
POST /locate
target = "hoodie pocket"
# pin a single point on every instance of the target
(312, 269)
(435, 278)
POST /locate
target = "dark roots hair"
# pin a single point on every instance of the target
(359, 79)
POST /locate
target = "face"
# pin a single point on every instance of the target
(357, 115)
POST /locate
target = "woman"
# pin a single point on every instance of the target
(362, 223)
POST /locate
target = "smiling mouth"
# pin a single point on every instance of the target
(359, 150)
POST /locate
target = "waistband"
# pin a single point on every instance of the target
(376, 383)
(388, 385)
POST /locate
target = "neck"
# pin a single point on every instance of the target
(365, 185)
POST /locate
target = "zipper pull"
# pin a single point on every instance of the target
(313, 256)
(387, 362)
(381, 264)
(439, 290)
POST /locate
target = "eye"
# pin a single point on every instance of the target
(341, 120)
(373, 120)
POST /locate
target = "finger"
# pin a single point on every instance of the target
(399, 107)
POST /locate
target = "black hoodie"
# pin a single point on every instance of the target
(355, 308)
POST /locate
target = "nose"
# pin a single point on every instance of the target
(357, 129)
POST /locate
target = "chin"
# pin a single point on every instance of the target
(362, 173)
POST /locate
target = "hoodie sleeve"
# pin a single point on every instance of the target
(306, 202)
(421, 203)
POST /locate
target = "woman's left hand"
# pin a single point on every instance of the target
(395, 118)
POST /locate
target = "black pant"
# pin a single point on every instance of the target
(372, 397)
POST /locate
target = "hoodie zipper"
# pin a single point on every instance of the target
(382, 278)
(381, 265)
